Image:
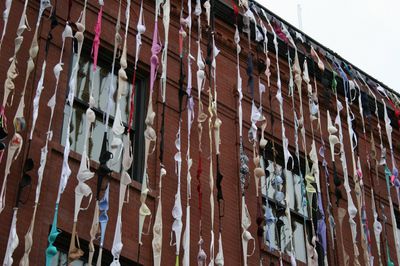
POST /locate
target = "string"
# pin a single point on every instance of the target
(201, 117)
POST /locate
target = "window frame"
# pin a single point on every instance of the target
(62, 244)
(140, 104)
(296, 216)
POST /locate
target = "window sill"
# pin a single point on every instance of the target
(275, 254)
(75, 157)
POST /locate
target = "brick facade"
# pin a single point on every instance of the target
(227, 106)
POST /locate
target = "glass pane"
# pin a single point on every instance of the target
(100, 82)
(298, 183)
(263, 180)
(271, 233)
(289, 188)
(61, 259)
(77, 135)
(284, 232)
(299, 241)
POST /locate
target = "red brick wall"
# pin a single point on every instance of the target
(227, 105)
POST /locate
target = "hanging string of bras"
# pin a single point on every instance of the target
(302, 169)
(158, 223)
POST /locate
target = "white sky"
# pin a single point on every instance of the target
(364, 32)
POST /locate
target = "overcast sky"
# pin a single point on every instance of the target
(364, 32)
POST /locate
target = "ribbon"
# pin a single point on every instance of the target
(13, 240)
(372, 156)
(349, 86)
(322, 224)
(12, 73)
(392, 177)
(177, 209)
(341, 215)
(111, 89)
(201, 118)
(366, 244)
(118, 129)
(351, 209)
(97, 32)
(244, 169)
(19, 122)
(158, 224)
(286, 153)
(82, 190)
(101, 204)
(389, 260)
(149, 133)
(308, 190)
(214, 124)
(6, 14)
(315, 116)
(187, 22)
(43, 156)
(51, 251)
(95, 223)
(124, 183)
(66, 171)
(141, 28)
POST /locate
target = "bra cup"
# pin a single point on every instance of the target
(279, 196)
(352, 211)
(122, 73)
(67, 33)
(80, 26)
(157, 246)
(178, 157)
(258, 172)
(377, 227)
(18, 41)
(31, 64)
(177, 212)
(247, 236)
(263, 143)
(57, 70)
(256, 160)
(91, 117)
(270, 218)
(154, 60)
(125, 179)
(150, 134)
(141, 28)
(217, 123)
(202, 256)
(310, 178)
(219, 259)
(144, 210)
(314, 109)
(103, 218)
(51, 251)
(202, 117)
(53, 236)
(321, 65)
(79, 37)
(83, 189)
(84, 175)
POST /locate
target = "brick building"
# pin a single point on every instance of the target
(229, 158)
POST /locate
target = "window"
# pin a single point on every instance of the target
(61, 259)
(101, 81)
(280, 232)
